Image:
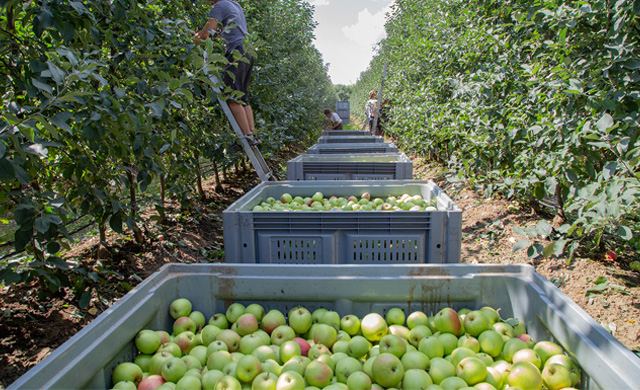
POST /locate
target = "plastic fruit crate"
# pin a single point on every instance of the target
(350, 140)
(345, 133)
(87, 359)
(343, 237)
(348, 149)
(366, 166)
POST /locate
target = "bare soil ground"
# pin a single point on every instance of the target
(31, 327)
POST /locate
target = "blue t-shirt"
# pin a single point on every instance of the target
(229, 14)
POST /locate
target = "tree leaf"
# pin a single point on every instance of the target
(609, 170)
(625, 233)
(605, 123)
(520, 245)
(548, 250)
(535, 251)
(7, 172)
(84, 300)
(544, 229)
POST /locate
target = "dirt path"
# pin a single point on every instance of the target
(31, 327)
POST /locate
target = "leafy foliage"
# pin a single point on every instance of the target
(102, 100)
(537, 100)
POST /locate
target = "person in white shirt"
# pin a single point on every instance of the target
(333, 119)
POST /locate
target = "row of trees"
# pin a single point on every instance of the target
(103, 100)
(538, 100)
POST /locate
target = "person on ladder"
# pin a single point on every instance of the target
(229, 15)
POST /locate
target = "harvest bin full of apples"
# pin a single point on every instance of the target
(281, 326)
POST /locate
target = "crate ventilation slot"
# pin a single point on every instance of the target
(296, 250)
(387, 250)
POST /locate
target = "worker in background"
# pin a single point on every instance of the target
(333, 119)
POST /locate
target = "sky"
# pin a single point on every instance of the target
(347, 33)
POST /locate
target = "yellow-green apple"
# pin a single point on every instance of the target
(387, 370)
(127, 372)
(350, 324)
(331, 318)
(210, 378)
(191, 362)
(172, 348)
(415, 359)
(318, 374)
(399, 330)
(219, 320)
(432, 347)
(555, 376)
(143, 361)
(505, 330)
(546, 349)
(217, 360)
(392, 344)
(470, 342)
(447, 321)
(230, 338)
(491, 342)
(527, 355)
(173, 369)
(272, 366)
(472, 370)
(494, 377)
(342, 335)
(374, 327)
(265, 381)
(395, 316)
(460, 353)
(246, 324)
(317, 314)
(228, 382)
(155, 367)
(234, 311)
(525, 376)
(165, 337)
(189, 382)
(518, 326)
(512, 346)
(230, 368)
(208, 334)
(147, 341)
(358, 346)
(570, 364)
(180, 307)
(527, 339)
(324, 334)
(326, 359)
(340, 346)
(125, 385)
(476, 322)
(359, 381)
(300, 320)
(199, 319)
(288, 350)
(200, 352)
(216, 346)
(345, 367)
(417, 318)
(453, 382)
(440, 369)
(290, 380)
(493, 314)
(417, 333)
(416, 379)
(256, 309)
(449, 342)
(273, 319)
(317, 350)
(247, 368)
(488, 360)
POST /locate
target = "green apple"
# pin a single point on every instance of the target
(331, 318)
(494, 377)
(470, 342)
(432, 347)
(147, 341)
(208, 334)
(246, 324)
(505, 330)
(172, 348)
(416, 379)
(300, 320)
(186, 341)
(527, 355)
(512, 346)
(448, 321)
(392, 344)
(350, 324)
(417, 333)
(143, 361)
(493, 314)
(230, 338)
(126, 385)
(155, 366)
(546, 349)
(191, 362)
(216, 346)
(288, 350)
(290, 380)
(265, 381)
(184, 324)
(247, 368)
(374, 327)
(555, 376)
(318, 374)
(325, 334)
(286, 198)
(476, 322)
(200, 352)
(234, 311)
(570, 364)
(199, 319)
(461, 353)
(228, 382)
(189, 382)
(525, 375)
(317, 350)
(453, 383)
(180, 307)
(472, 370)
(272, 366)
(127, 372)
(440, 369)
(256, 309)
(491, 342)
(219, 320)
(340, 346)
(217, 360)
(387, 370)
(395, 316)
(415, 360)
(399, 330)
(358, 346)
(149, 382)
(210, 378)
(263, 353)
(449, 342)
(346, 367)
(173, 369)
(359, 381)
(273, 319)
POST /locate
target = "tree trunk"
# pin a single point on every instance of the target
(201, 193)
(216, 175)
(137, 233)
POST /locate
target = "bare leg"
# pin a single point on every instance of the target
(240, 113)
(249, 113)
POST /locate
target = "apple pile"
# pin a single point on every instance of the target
(318, 202)
(246, 348)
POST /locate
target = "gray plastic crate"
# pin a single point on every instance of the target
(349, 149)
(86, 360)
(329, 133)
(365, 166)
(348, 237)
(351, 139)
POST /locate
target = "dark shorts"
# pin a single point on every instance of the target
(237, 75)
